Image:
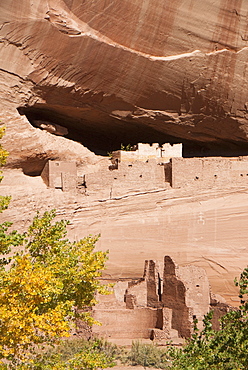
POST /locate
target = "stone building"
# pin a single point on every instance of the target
(60, 175)
(143, 152)
(141, 169)
(148, 168)
(161, 306)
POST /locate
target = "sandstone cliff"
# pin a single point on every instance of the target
(112, 72)
(129, 70)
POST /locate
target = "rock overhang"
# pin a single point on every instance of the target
(109, 84)
(102, 133)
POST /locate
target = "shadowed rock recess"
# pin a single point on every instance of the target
(80, 78)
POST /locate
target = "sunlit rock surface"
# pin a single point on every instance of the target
(130, 70)
(113, 72)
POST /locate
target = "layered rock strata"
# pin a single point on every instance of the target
(113, 72)
(201, 225)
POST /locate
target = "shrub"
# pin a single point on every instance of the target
(147, 355)
(75, 354)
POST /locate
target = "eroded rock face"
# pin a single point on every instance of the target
(204, 227)
(126, 72)
(115, 72)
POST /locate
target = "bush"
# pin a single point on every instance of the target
(147, 355)
(74, 354)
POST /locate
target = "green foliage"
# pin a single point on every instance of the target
(8, 240)
(127, 148)
(4, 200)
(3, 153)
(147, 355)
(110, 154)
(75, 354)
(225, 349)
(47, 282)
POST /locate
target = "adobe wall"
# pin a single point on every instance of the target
(164, 331)
(145, 292)
(124, 323)
(174, 297)
(60, 175)
(197, 287)
(129, 177)
(153, 277)
(136, 176)
(209, 172)
(172, 151)
(136, 295)
(121, 320)
(186, 291)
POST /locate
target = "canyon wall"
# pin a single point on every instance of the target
(203, 227)
(112, 72)
(127, 71)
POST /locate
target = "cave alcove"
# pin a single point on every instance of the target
(101, 133)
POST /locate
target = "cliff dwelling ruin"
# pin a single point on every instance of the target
(71, 95)
(145, 168)
(161, 306)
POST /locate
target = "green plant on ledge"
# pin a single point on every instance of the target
(127, 148)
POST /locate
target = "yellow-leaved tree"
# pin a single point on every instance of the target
(4, 201)
(45, 282)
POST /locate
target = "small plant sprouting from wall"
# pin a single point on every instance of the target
(127, 148)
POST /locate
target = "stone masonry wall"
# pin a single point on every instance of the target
(174, 297)
(197, 296)
(209, 172)
(129, 177)
(60, 175)
(125, 177)
(124, 323)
